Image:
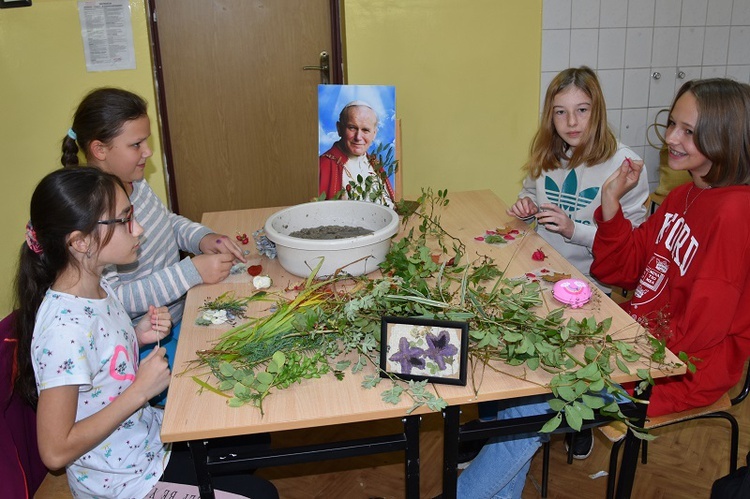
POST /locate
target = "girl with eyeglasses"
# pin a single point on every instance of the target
(111, 128)
(78, 352)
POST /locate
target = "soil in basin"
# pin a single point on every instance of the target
(330, 232)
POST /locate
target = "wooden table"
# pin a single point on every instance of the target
(194, 417)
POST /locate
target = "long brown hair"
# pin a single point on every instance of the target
(66, 200)
(100, 116)
(598, 143)
(722, 133)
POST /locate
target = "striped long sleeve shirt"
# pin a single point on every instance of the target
(158, 277)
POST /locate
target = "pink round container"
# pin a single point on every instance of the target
(573, 292)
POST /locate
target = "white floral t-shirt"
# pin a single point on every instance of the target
(91, 343)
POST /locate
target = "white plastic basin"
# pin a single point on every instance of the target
(353, 255)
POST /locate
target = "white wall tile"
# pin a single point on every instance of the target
(719, 12)
(688, 73)
(739, 73)
(658, 116)
(635, 88)
(739, 45)
(713, 71)
(716, 45)
(611, 48)
(585, 14)
(611, 82)
(638, 47)
(556, 14)
(555, 49)
(640, 151)
(633, 126)
(661, 90)
(651, 161)
(694, 12)
(665, 46)
(667, 13)
(690, 50)
(584, 47)
(613, 14)
(545, 81)
(613, 118)
(640, 13)
(741, 13)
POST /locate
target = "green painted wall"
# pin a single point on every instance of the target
(466, 73)
(467, 79)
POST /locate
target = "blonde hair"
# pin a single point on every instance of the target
(598, 143)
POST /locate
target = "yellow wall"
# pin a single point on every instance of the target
(466, 73)
(467, 85)
(43, 77)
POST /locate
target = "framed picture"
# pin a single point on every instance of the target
(6, 4)
(423, 349)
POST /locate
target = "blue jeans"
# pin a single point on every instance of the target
(170, 343)
(499, 470)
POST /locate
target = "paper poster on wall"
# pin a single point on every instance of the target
(107, 34)
(357, 142)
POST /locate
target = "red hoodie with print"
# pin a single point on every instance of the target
(689, 264)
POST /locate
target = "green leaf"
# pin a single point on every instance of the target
(588, 372)
(586, 412)
(621, 366)
(241, 391)
(264, 378)
(596, 386)
(556, 405)
(552, 424)
(226, 369)
(235, 402)
(566, 393)
(573, 417)
(593, 401)
(279, 358)
(642, 435)
(342, 365)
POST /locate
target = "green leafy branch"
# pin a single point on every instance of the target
(324, 329)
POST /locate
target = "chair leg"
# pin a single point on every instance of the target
(735, 444)
(612, 478)
(735, 429)
(570, 448)
(545, 468)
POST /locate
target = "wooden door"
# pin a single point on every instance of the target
(241, 114)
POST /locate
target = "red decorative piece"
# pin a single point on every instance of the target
(255, 270)
(538, 255)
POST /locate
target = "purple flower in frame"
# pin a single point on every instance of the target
(440, 347)
(408, 356)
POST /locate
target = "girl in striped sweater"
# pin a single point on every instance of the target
(111, 127)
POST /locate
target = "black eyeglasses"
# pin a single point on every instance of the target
(127, 220)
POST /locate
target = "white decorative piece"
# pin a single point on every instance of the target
(262, 281)
(353, 255)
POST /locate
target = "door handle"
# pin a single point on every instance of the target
(324, 68)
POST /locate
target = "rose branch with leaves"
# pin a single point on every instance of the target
(333, 328)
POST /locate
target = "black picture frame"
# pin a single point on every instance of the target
(7, 4)
(424, 349)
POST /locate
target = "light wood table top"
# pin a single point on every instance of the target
(191, 415)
